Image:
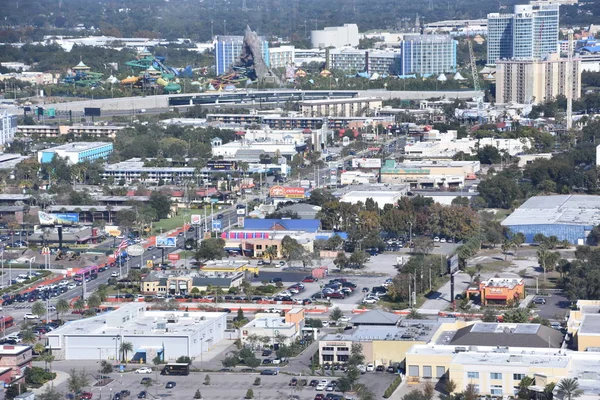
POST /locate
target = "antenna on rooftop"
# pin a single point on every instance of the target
(244, 6)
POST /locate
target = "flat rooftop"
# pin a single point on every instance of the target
(79, 146)
(11, 350)
(590, 325)
(133, 319)
(581, 210)
(409, 330)
(504, 282)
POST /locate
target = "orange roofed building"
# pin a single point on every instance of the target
(499, 291)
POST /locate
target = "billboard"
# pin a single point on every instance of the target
(196, 219)
(221, 165)
(453, 264)
(366, 162)
(165, 241)
(91, 111)
(287, 192)
(58, 219)
(173, 256)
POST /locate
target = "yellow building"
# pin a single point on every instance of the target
(381, 344)
(584, 325)
(184, 284)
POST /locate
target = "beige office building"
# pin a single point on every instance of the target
(535, 81)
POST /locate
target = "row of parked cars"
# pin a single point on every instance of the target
(338, 288)
(376, 293)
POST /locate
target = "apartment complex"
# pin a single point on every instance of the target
(135, 169)
(229, 48)
(371, 61)
(77, 152)
(530, 32)
(8, 127)
(103, 131)
(536, 81)
(428, 54)
(279, 57)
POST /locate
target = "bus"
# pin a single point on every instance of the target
(182, 369)
(6, 322)
(90, 272)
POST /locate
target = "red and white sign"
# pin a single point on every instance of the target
(173, 256)
(287, 192)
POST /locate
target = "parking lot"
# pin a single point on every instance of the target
(556, 307)
(225, 386)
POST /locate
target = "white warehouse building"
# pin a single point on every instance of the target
(168, 334)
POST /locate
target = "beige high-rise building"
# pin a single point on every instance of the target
(535, 81)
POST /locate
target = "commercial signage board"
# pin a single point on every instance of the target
(135, 250)
(166, 241)
(287, 192)
(217, 225)
(196, 219)
(173, 256)
(453, 264)
(222, 165)
(366, 162)
(58, 219)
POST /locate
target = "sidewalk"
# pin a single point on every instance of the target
(61, 377)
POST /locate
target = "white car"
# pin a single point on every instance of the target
(443, 240)
(114, 274)
(63, 282)
(30, 316)
(344, 319)
(436, 239)
(71, 286)
(370, 300)
(370, 367)
(14, 337)
(322, 384)
(143, 370)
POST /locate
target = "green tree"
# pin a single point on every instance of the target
(249, 394)
(38, 308)
(161, 204)
(105, 367)
(124, 349)
(62, 306)
(210, 249)
(207, 380)
(271, 253)
(489, 315)
(50, 393)
(183, 360)
(27, 336)
(336, 315)
(79, 305)
(569, 388)
(77, 380)
(358, 259)
(94, 301)
(197, 395)
(450, 387)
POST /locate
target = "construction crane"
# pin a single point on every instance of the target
(475, 78)
(569, 88)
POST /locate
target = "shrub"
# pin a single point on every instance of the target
(249, 394)
(392, 388)
(257, 382)
(198, 395)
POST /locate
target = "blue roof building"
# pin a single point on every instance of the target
(303, 225)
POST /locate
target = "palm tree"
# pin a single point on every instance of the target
(79, 305)
(48, 358)
(569, 388)
(125, 348)
(271, 253)
(94, 301)
(27, 336)
(101, 292)
(62, 306)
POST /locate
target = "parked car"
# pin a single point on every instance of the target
(293, 382)
(267, 352)
(308, 279)
(142, 394)
(268, 372)
(322, 384)
(170, 385)
(539, 300)
(380, 368)
(30, 316)
(144, 370)
(145, 381)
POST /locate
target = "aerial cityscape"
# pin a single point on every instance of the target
(285, 200)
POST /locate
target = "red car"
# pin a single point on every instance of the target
(86, 396)
(335, 295)
(319, 396)
(309, 279)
